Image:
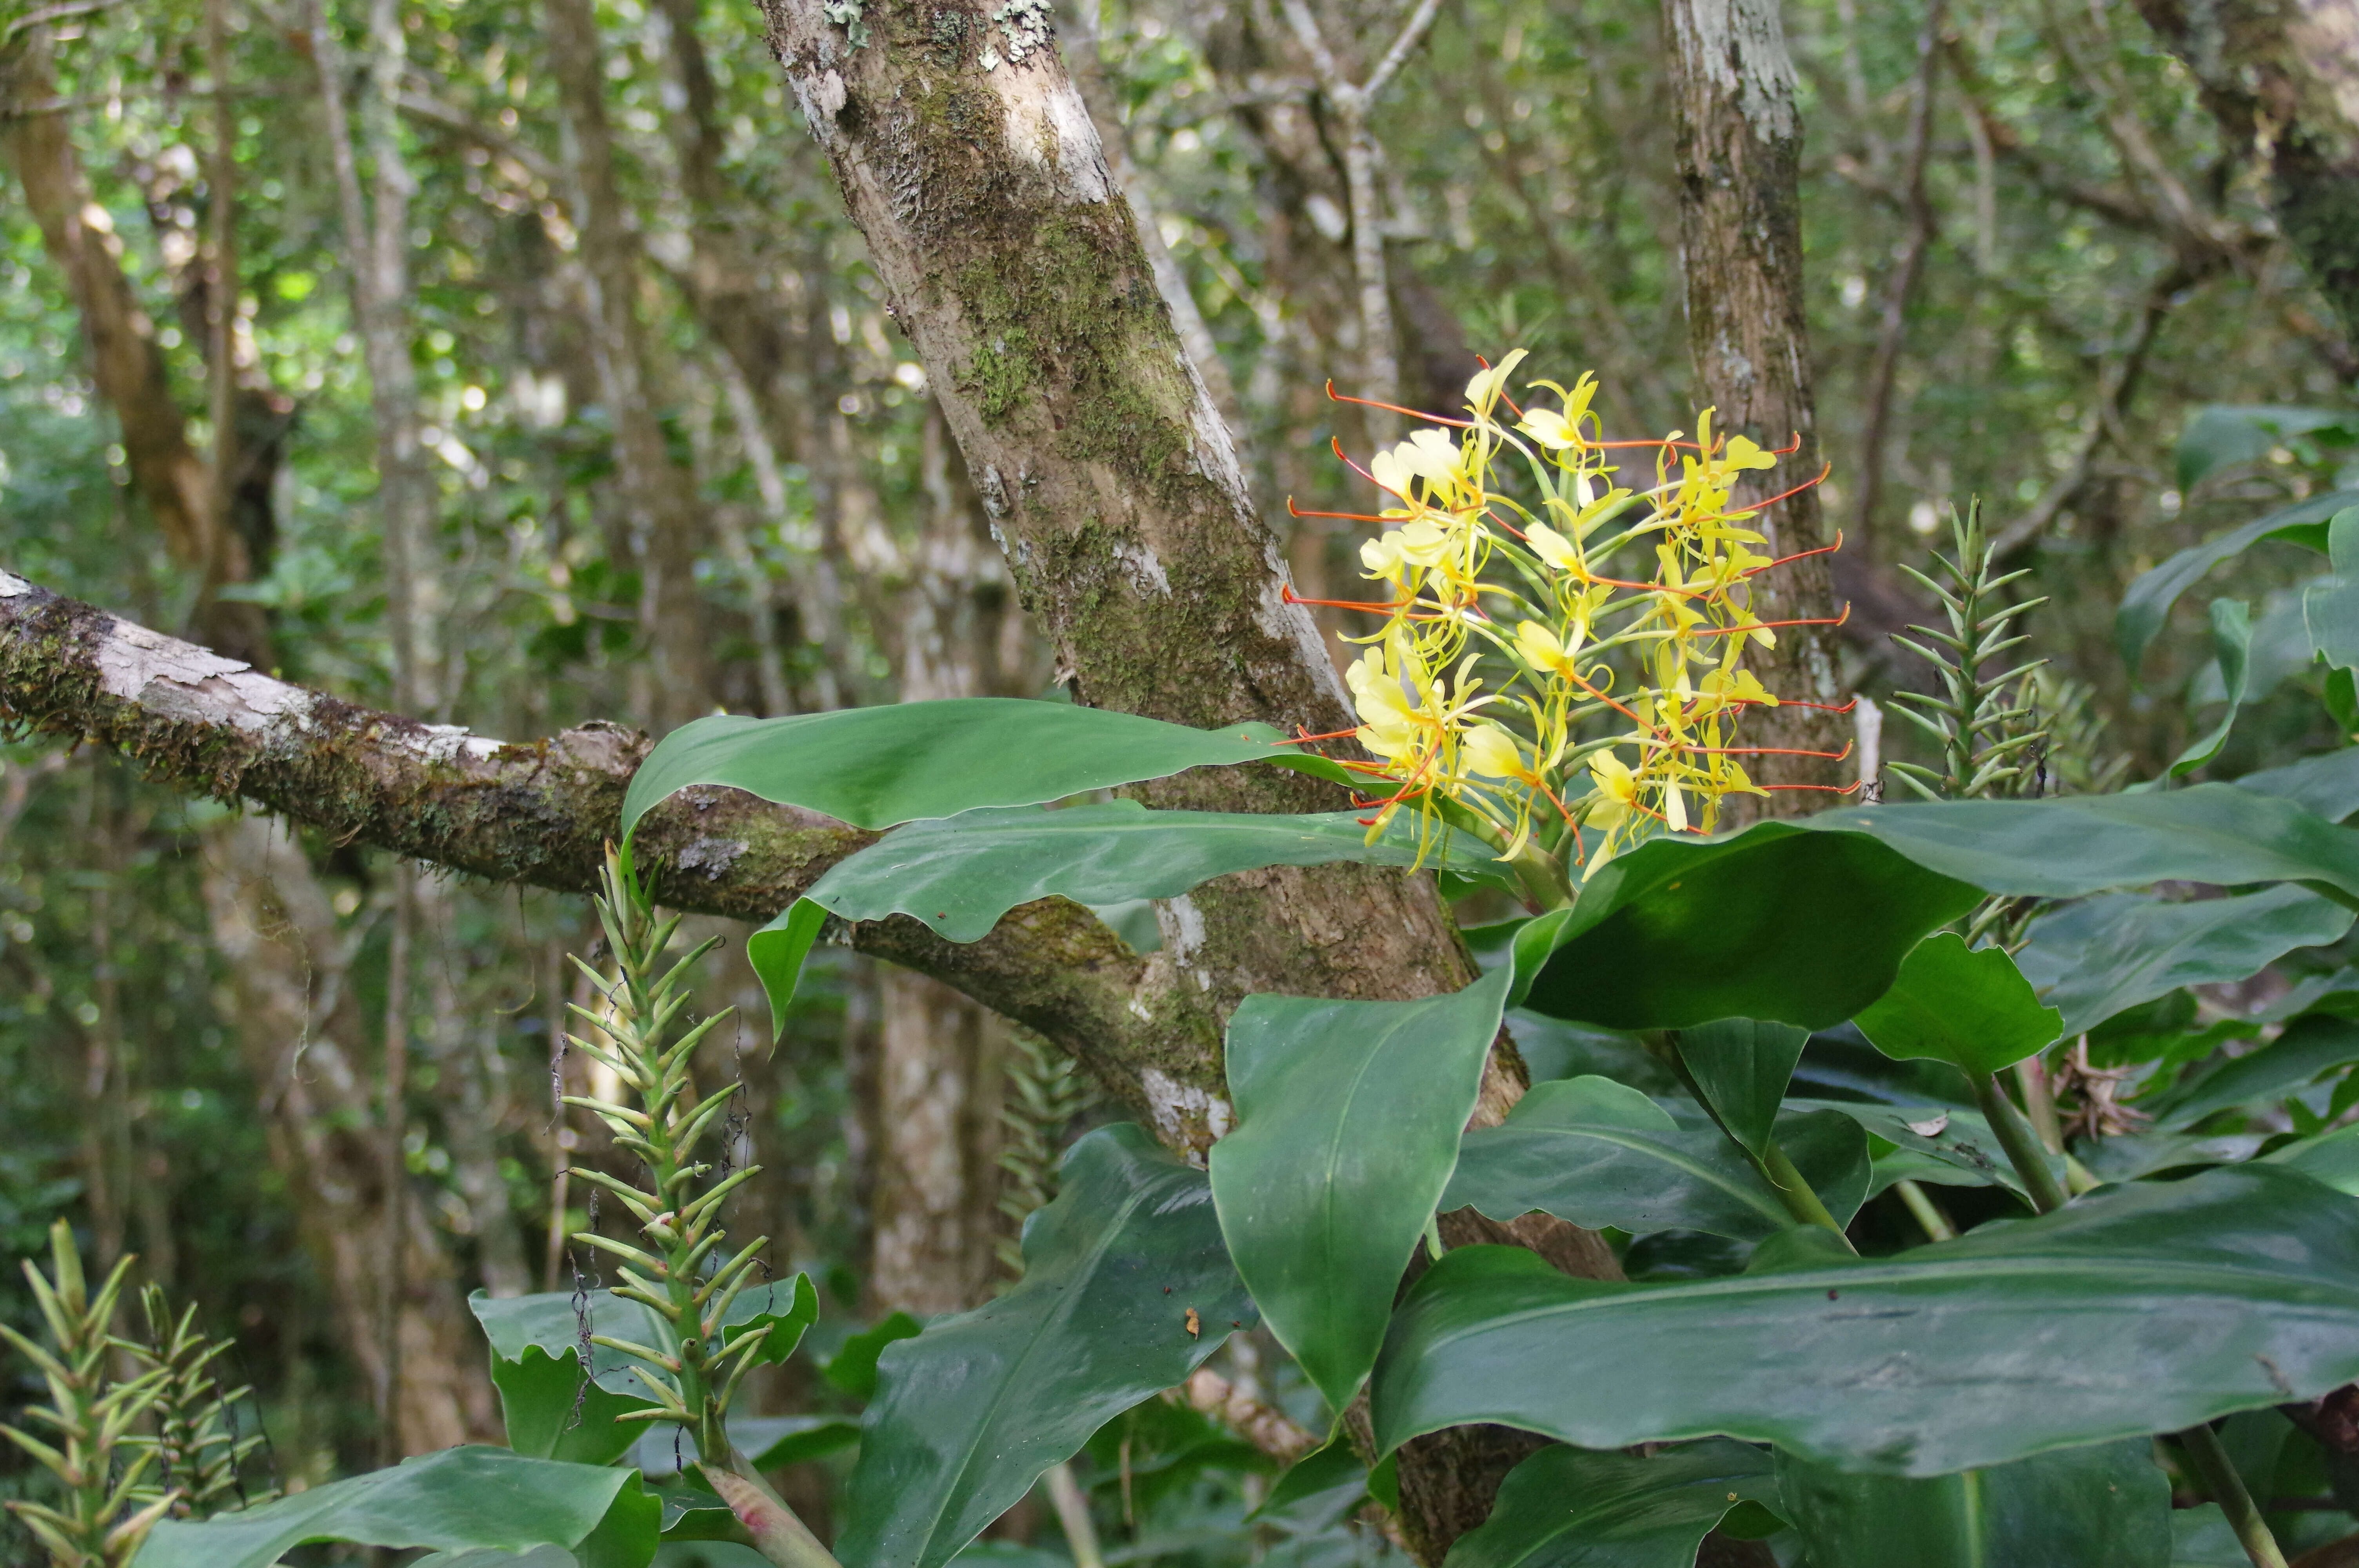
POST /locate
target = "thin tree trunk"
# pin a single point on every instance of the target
(2282, 78)
(1740, 140)
(300, 1031)
(658, 493)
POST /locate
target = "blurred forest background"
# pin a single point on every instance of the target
(529, 354)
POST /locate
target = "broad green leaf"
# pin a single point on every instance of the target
(1968, 1007)
(490, 1557)
(1571, 1508)
(784, 1308)
(2225, 434)
(1681, 931)
(777, 953)
(2147, 603)
(1348, 1114)
(2201, 1536)
(453, 1501)
(2102, 956)
(853, 1368)
(2231, 646)
(873, 767)
(2104, 1506)
(1556, 1153)
(970, 1413)
(2135, 1310)
(1328, 1475)
(770, 1442)
(2131, 1157)
(1741, 1066)
(2331, 1158)
(551, 1414)
(2325, 785)
(2329, 607)
(1959, 1141)
(961, 874)
(2308, 1047)
(2076, 844)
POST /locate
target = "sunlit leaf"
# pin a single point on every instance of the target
(1968, 1007)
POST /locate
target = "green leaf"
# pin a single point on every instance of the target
(777, 953)
(2231, 644)
(1565, 1151)
(2329, 607)
(1571, 1508)
(757, 1310)
(548, 1319)
(1681, 931)
(2099, 958)
(2135, 1310)
(2325, 785)
(2331, 1158)
(1968, 1007)
(2225, 434)
(1959, 1141)
(2308, 1047)
(961, 874)
(873, 767)
(1322, 1484)
(2201, 1536)
(2104, 1506)
(853, 1368)
(1741, 1066)
(2077, 845)
(2146, 605)
(1348, 1114)
(453, 1501)
(539, 1396)
(970, 1413)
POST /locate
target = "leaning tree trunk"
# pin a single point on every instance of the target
(2282, 78)
(1740, 142)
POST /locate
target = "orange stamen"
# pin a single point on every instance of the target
(1395, 409)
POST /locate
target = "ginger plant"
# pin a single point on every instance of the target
(200, 1457)
(1560, 650)
(107, 1511)
(677, 1269)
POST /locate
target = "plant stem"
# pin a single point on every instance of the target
(2039, 1104)
(1928, 1215)
(2015, 1136)
(1794, 1192)
(2218, 1474)
(1073, 1513)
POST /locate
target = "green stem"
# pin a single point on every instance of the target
(2218, 1474)
(1794, 1192)
(2015, 1136)
(1929, 1214)
(2039, 1104)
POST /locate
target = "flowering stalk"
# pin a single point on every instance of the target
(677, 1271)
(199, 1455)
(107, 1513)
(1526, 684)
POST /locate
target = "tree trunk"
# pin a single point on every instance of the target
(1740, 143)
(299, 1032)
(2282, 78)
(660, 495)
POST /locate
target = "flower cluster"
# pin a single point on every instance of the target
(1526, 682)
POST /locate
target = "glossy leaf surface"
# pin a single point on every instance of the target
(873, 767)
(777, 953)
(2329, 607)
(1564, 1150)
(2231, 650)
(1741, 1066)
(1571, 1508)
(1681, 931)
(456, 1499)
(2135, 1310)
(2326, 784)
(2102, 957)
(970, 1413)
(549, 1414)
(2071, 846)
(1958, 1139)
(961, 874)
(1349, 1114)
(2146, 604)
(2307, 1047)
(1968, 1007)
(2104, 1506)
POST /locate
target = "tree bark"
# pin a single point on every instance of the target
(2282, 78)
(660, 495)
(1740, 142)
